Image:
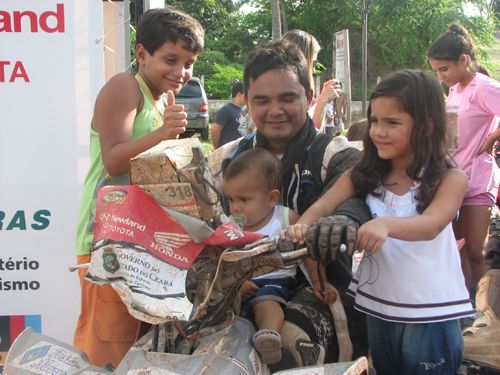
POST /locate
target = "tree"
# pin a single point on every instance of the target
(364, 8)
(212, 14)
(284, 16)
(400, 32)
(219, 84)
(276, 19)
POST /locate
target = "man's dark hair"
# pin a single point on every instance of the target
(262, 162)
(236, 89)
(157, 26)
(279, 55)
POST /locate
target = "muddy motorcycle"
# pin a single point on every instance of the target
(196, 328)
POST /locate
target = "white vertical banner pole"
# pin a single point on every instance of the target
(51, 68)
(343, 65)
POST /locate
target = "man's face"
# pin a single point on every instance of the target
(278, 105)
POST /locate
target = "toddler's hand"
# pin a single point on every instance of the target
(328, 295)
(296, 232)
(174, 118)
(372, 235)
(248, 289)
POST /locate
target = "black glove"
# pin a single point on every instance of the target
(326, 236)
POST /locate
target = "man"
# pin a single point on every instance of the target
(278, 93)
(229, 118)
(336, 111)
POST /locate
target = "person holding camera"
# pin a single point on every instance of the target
(336, 111)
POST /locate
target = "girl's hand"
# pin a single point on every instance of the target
(297, 233)
(174, 118)
(248, 289)
(488, 145)
(329, 295)
(372, 235)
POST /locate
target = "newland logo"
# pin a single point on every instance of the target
(17, 21)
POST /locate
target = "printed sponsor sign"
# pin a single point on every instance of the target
(145, 253)
(50, 71)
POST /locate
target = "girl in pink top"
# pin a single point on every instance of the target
(473, 108)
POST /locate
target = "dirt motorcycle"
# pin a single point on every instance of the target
(183, 278)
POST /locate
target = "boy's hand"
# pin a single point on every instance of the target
(297, 233)
(329, 295)
(372, 235)
(248, 289)
(174, 118)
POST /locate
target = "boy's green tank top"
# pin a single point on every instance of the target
(147, 120)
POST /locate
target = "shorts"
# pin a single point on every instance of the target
(419, 349)
(279, 290)
(483, 199)
(105, 330)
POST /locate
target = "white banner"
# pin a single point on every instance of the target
(340, 56)
(343, 65)
(51, 68)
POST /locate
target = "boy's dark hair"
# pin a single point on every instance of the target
(157, 26)
(279, 55)
(455, 42)
(265, 165)
(420, 95)
(236, 89)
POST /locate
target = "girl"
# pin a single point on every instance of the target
(473, 107)
(409, 281)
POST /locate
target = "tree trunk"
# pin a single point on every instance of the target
(276, 21)
(284, 16)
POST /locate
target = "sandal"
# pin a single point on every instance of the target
(268, 344)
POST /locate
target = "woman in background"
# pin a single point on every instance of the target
(473, 109)
(310, 47)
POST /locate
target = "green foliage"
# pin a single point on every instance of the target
(132, 45)
(318, 67)
(218, 72)
(212, 14)
(399, 33)
(218, 85)
(206, 61)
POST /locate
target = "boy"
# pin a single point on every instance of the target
(252, 183)
(130, 117)
(229, 118)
